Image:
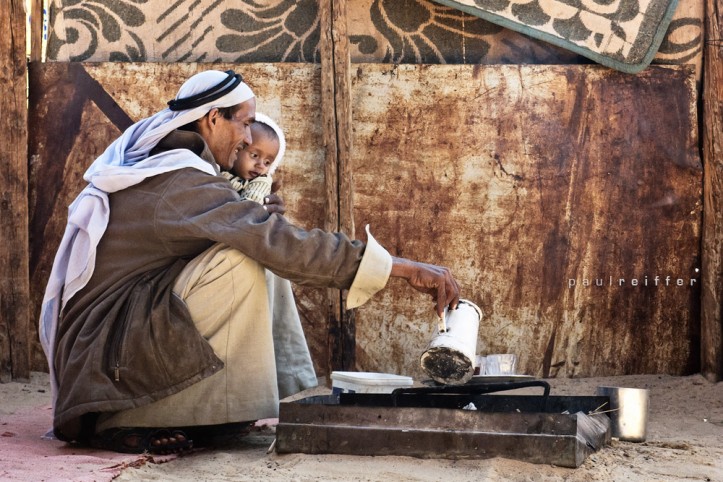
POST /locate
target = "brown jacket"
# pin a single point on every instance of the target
(125, 339)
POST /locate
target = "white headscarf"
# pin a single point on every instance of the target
(264, 119)
(123, 164)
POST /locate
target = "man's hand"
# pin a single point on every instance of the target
(273, 202)
(435, 281)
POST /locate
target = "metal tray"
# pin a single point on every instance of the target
(448, 422)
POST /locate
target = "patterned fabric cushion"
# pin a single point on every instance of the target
(621, 34)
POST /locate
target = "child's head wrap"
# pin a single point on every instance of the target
(264, 119)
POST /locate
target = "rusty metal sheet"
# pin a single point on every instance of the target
(76, 110)
(534, 185)
(520, 178)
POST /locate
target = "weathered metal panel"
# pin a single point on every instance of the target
(527, 181)
(519, 178)
(77, 110)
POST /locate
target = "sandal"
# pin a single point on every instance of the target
(216, 436)
(138, 440)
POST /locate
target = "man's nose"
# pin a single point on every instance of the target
(247, 135)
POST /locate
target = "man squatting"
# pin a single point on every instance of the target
(155, 319)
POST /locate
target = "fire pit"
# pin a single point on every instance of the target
(466, 421)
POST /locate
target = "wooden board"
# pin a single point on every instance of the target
(526, 181)
(14, 285)
(712, 299)
(78, 109)
(336, 115)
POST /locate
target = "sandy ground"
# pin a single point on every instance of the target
(685, 442)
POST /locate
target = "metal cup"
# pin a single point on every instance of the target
(628, 412)
(503, 364)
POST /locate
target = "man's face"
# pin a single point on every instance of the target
(226, 136)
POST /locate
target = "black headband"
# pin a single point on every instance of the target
(209, 95)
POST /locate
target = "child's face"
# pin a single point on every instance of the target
(254, 159)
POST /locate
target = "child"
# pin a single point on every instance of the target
(257, 162)
(251, 177)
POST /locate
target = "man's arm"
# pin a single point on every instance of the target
(435, 281)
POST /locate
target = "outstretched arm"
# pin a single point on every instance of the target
(435, 281)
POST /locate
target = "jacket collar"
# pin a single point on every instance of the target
(180, 139)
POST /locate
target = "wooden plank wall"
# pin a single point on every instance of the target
(15, 329)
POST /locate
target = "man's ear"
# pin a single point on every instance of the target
(211, 118)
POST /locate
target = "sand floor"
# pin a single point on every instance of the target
(685, 442)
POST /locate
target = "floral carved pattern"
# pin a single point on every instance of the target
(420, 32)
(395, 31)
(287, 30)
(185, 31)
(88, 24)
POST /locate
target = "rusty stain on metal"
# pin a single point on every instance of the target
(532, 183)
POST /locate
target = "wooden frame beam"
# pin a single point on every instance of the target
(14, 277)
(712, 251)
(336, 116)
(36, 30)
